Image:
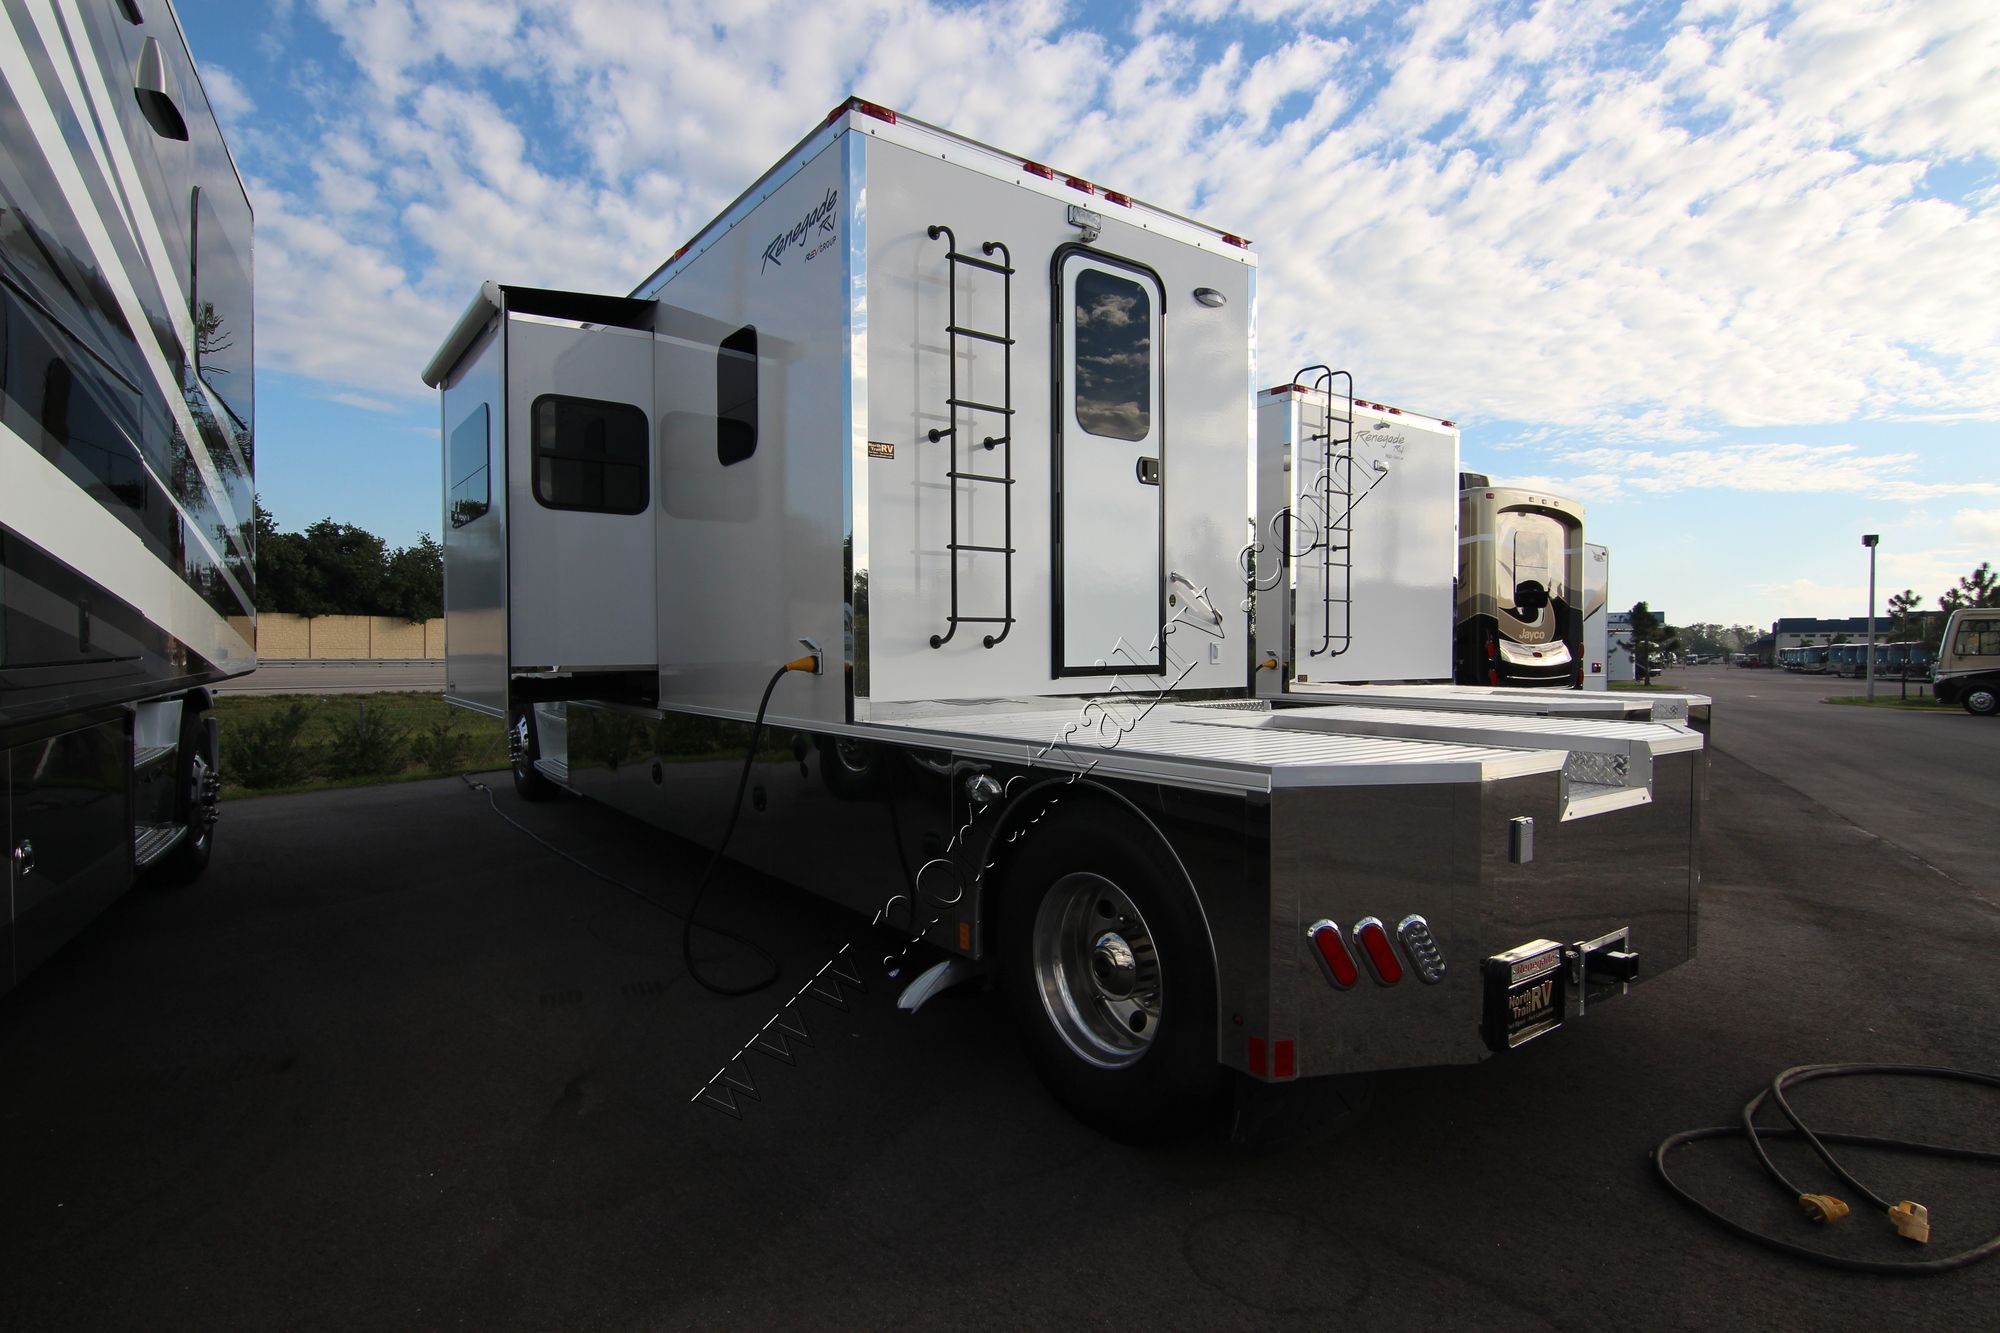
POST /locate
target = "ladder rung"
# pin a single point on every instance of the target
(979, 407)
(977, 262)
(979, 476)
(966, 546)
(980, 334)
(980, 620)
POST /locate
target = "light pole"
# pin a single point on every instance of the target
(1869, 540)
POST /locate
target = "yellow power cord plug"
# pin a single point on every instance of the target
(1912, 1221)
(1823, 1208)
(803, 664)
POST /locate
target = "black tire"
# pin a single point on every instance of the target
(1168, 1084)
(194, 770)
(1982, 700)
(525, 747)
(852, 770)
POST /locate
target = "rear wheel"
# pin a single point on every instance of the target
(525, 748)
(1108, 968)
(1982, 701)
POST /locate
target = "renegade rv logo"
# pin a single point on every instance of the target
(820, 218)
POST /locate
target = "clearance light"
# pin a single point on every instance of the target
(1373, 937)
(1452, 424)
(865, 108)
(1079, 183)
(1331, 950)
(1236, 241)
(1113, 197)
(1037, 169)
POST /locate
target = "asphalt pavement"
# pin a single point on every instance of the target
(391, 1064)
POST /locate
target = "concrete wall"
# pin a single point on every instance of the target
(282, 637)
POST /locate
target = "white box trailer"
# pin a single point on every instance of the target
(978, 435)
(1596, 617)
(1356, 547)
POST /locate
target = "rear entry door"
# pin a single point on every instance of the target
(1110, 479)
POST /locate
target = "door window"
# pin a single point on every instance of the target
(1114, 355)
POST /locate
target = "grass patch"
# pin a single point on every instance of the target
(1917, 703)
(289, 743)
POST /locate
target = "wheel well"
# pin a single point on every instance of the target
(1070, 794)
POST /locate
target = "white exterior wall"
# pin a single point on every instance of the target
(1596, 619)
(1405, 547)
(906, 515)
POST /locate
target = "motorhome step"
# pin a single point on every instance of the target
(980, 620)
(980, 407)
(980, 334)
(964, 546)
(977, 262)
(150, 842)
(979, 476)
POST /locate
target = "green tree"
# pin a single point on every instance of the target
(413, 581)
(1979, 588)
(1651, 642)
(343, 570)
(1902, 607)
(280, 563)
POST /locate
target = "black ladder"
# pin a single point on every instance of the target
(1333, 491)
(1004, 442)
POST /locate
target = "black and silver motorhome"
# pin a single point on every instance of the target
(935, 462)
(125, 459)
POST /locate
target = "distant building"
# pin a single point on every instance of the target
(1812, 632)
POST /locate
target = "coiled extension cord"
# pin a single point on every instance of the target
(1910, 1219)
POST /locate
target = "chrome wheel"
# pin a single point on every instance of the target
(1982, 702)
(853, 755)
(1097, 970)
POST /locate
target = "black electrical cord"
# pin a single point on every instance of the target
(615, 882)
(715, 858)
(1775, 1094)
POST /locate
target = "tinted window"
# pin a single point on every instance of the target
(468, 486)
(1977, 640)
(736, 397)
(589, 454)
(222, 304)
(1114, 356)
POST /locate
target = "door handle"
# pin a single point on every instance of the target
(24, 858)
(1149, 471)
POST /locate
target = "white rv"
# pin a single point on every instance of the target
(937, 461)
(1968, 664)
(1596, 617)
(126, 580)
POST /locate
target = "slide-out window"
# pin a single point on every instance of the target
(468, 486)
(589, 454)
(736, 397)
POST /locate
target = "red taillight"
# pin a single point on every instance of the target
(1334, 959)
(1236, 241)
(1492, 676)
(1037, 169)
(1079, 183)
(1492, 650)
(1113, 197)
(1373, 938)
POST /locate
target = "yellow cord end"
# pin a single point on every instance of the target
(807, 663)
(1268, 664)
(1823, 1208)
(1912, 1221)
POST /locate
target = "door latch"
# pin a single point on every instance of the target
(1149, 471)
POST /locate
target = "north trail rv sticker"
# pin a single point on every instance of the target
(822, 217)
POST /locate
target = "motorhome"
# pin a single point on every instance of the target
(936, 462)
(1520, 587)
(1968, 661)
(125, 447)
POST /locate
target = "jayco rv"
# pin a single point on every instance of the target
(935, 462)
(125, 453)
(1520, 586)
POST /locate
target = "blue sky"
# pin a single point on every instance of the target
(1727, 272)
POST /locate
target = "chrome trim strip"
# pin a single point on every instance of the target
(854, 469)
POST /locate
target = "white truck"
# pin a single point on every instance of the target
(966, 441)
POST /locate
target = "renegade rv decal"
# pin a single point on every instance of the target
(821, 217)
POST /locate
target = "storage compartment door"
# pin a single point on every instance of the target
(1110, 467)
(581, 601)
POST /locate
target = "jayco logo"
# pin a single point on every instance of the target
(821, 218)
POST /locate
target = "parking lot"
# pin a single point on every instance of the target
(392, 1064)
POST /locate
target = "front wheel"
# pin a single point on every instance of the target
(1982, 701)
(1109, 971)
(197, 785)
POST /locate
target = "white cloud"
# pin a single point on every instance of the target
(226, 96)
(1785, 468)
(1727, 228)
(1978, 527)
